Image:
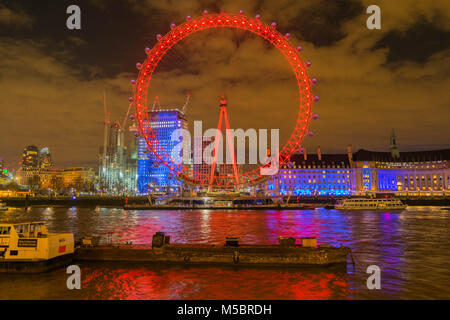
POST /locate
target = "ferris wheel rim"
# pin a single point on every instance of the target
(216, 21)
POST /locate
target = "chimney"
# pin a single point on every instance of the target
(319, 154)
(350, 154)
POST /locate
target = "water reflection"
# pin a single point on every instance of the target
(410, 247)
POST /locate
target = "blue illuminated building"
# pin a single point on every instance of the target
(153, 175)
(313, 175)
(364, 173)
(414, 173)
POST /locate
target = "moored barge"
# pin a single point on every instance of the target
(286, 254)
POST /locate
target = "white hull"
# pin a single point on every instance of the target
(370, 204)
(370, 208)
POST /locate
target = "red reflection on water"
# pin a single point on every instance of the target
(131, 283)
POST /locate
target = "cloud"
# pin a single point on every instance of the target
(361, 97)
(47, 103)
(48, 100)
(16, 19)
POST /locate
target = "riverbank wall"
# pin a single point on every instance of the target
(121, 201)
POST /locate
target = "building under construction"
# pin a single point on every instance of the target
(117, 161)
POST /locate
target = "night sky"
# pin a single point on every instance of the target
(369, 81)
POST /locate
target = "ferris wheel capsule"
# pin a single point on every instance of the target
(315, 116)
(172, 25)
(131, 99)
(205, 12)
(147, 51)
(316, 98)
(314, 80)
(310, 134)
(131, 116)
(133, 82)
(158, 37)
(299, 48)
(188, 18)
(139, 65)
(258, 16)
(273, 24)
(308, 64)
(241, 12)
(287, 35)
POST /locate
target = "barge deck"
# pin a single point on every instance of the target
(242, 255)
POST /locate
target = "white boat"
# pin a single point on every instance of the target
(3, 206)
(29, 247)
(370, 204)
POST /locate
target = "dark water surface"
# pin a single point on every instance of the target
(411, 247)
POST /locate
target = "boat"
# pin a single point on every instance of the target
(3, 206)
(286, 254)
(28, 247)
(370, 204)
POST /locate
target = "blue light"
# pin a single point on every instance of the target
(151, 172)
(367, 179)
(315, 182)
(387, 180)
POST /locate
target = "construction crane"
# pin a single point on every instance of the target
(183, 108)
(105, 136)
(126, 116)
(156, 102)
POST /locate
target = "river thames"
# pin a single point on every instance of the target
(411, 247)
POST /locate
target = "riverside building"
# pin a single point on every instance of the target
(416, 173)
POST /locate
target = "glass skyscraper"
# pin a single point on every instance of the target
(153, 175)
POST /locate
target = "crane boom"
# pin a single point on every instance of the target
(126, 116)
(105, 135)
(183, 108)
(156, 103)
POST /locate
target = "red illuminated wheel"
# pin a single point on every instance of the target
(223, 20)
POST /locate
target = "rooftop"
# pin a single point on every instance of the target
(412, 156)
